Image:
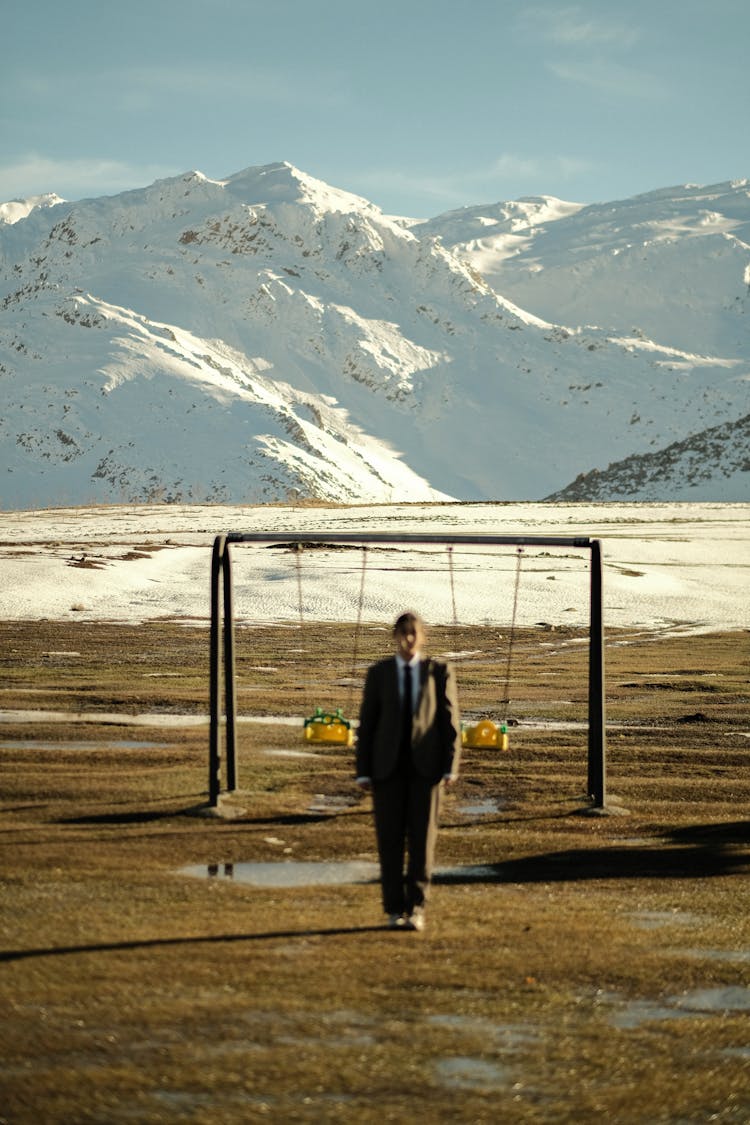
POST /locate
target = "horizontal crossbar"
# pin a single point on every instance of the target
(408, 537)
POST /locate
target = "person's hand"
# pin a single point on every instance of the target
(449, 780)
(365, 784)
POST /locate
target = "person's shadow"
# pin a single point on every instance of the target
(7, 955)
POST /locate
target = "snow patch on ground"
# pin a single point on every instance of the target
(667, 567)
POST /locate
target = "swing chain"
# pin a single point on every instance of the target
(297, 548)
(506, 700)
(358, 626)
(453, 584)
(298, 566)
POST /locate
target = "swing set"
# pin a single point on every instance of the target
(329, 725)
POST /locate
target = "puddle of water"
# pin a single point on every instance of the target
(146, 719)
(289, 873)
(533, 722)
(733, 998)
(508, 1037)
(111, 718)
(733, 956)
(638, 1012)
(465, 1073)
(273, 720)
(325, 804)
(173, 719)
(273, 753)
(653, 919)
(125, 744)
(702, 1001)
(485, 807)
(552, 724)
(310, 873)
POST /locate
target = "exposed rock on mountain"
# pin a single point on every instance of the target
(698, 468)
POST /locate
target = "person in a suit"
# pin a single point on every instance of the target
(408, 748)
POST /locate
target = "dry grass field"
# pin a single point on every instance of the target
(576, 967)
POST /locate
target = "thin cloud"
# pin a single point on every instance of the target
(511, 170)
(374, 183)
(268, 84)
(608, 77)
(572, 27)
(507, 176)
(141, 87)
(510, 166)
(583, 46)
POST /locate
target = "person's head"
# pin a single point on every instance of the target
(409, 634)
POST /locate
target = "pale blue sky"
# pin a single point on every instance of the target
(419, 105)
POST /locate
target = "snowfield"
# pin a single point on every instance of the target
(667, 567)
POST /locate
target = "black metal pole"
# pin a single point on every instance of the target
(597, 724)
(230, 689)
(437, 538)
(214, 759)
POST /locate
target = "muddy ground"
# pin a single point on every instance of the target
(576, 966)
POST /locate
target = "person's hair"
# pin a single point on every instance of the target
(408, 621)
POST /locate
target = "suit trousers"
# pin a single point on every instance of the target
(407, 809)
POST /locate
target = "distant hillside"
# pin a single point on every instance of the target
(672, 265)
(696, 469)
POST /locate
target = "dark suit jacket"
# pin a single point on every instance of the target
(436, 726)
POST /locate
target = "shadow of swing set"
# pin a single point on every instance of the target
(331, 727)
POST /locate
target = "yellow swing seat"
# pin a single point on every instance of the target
(330, 727)
(484, 735)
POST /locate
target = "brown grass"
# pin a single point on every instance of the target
(545, 987)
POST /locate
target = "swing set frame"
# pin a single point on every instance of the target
(222, 643)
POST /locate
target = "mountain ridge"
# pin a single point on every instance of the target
(268, 335)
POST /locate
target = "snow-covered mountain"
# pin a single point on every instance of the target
(20, 208)
(673, 265)
(269, 336)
